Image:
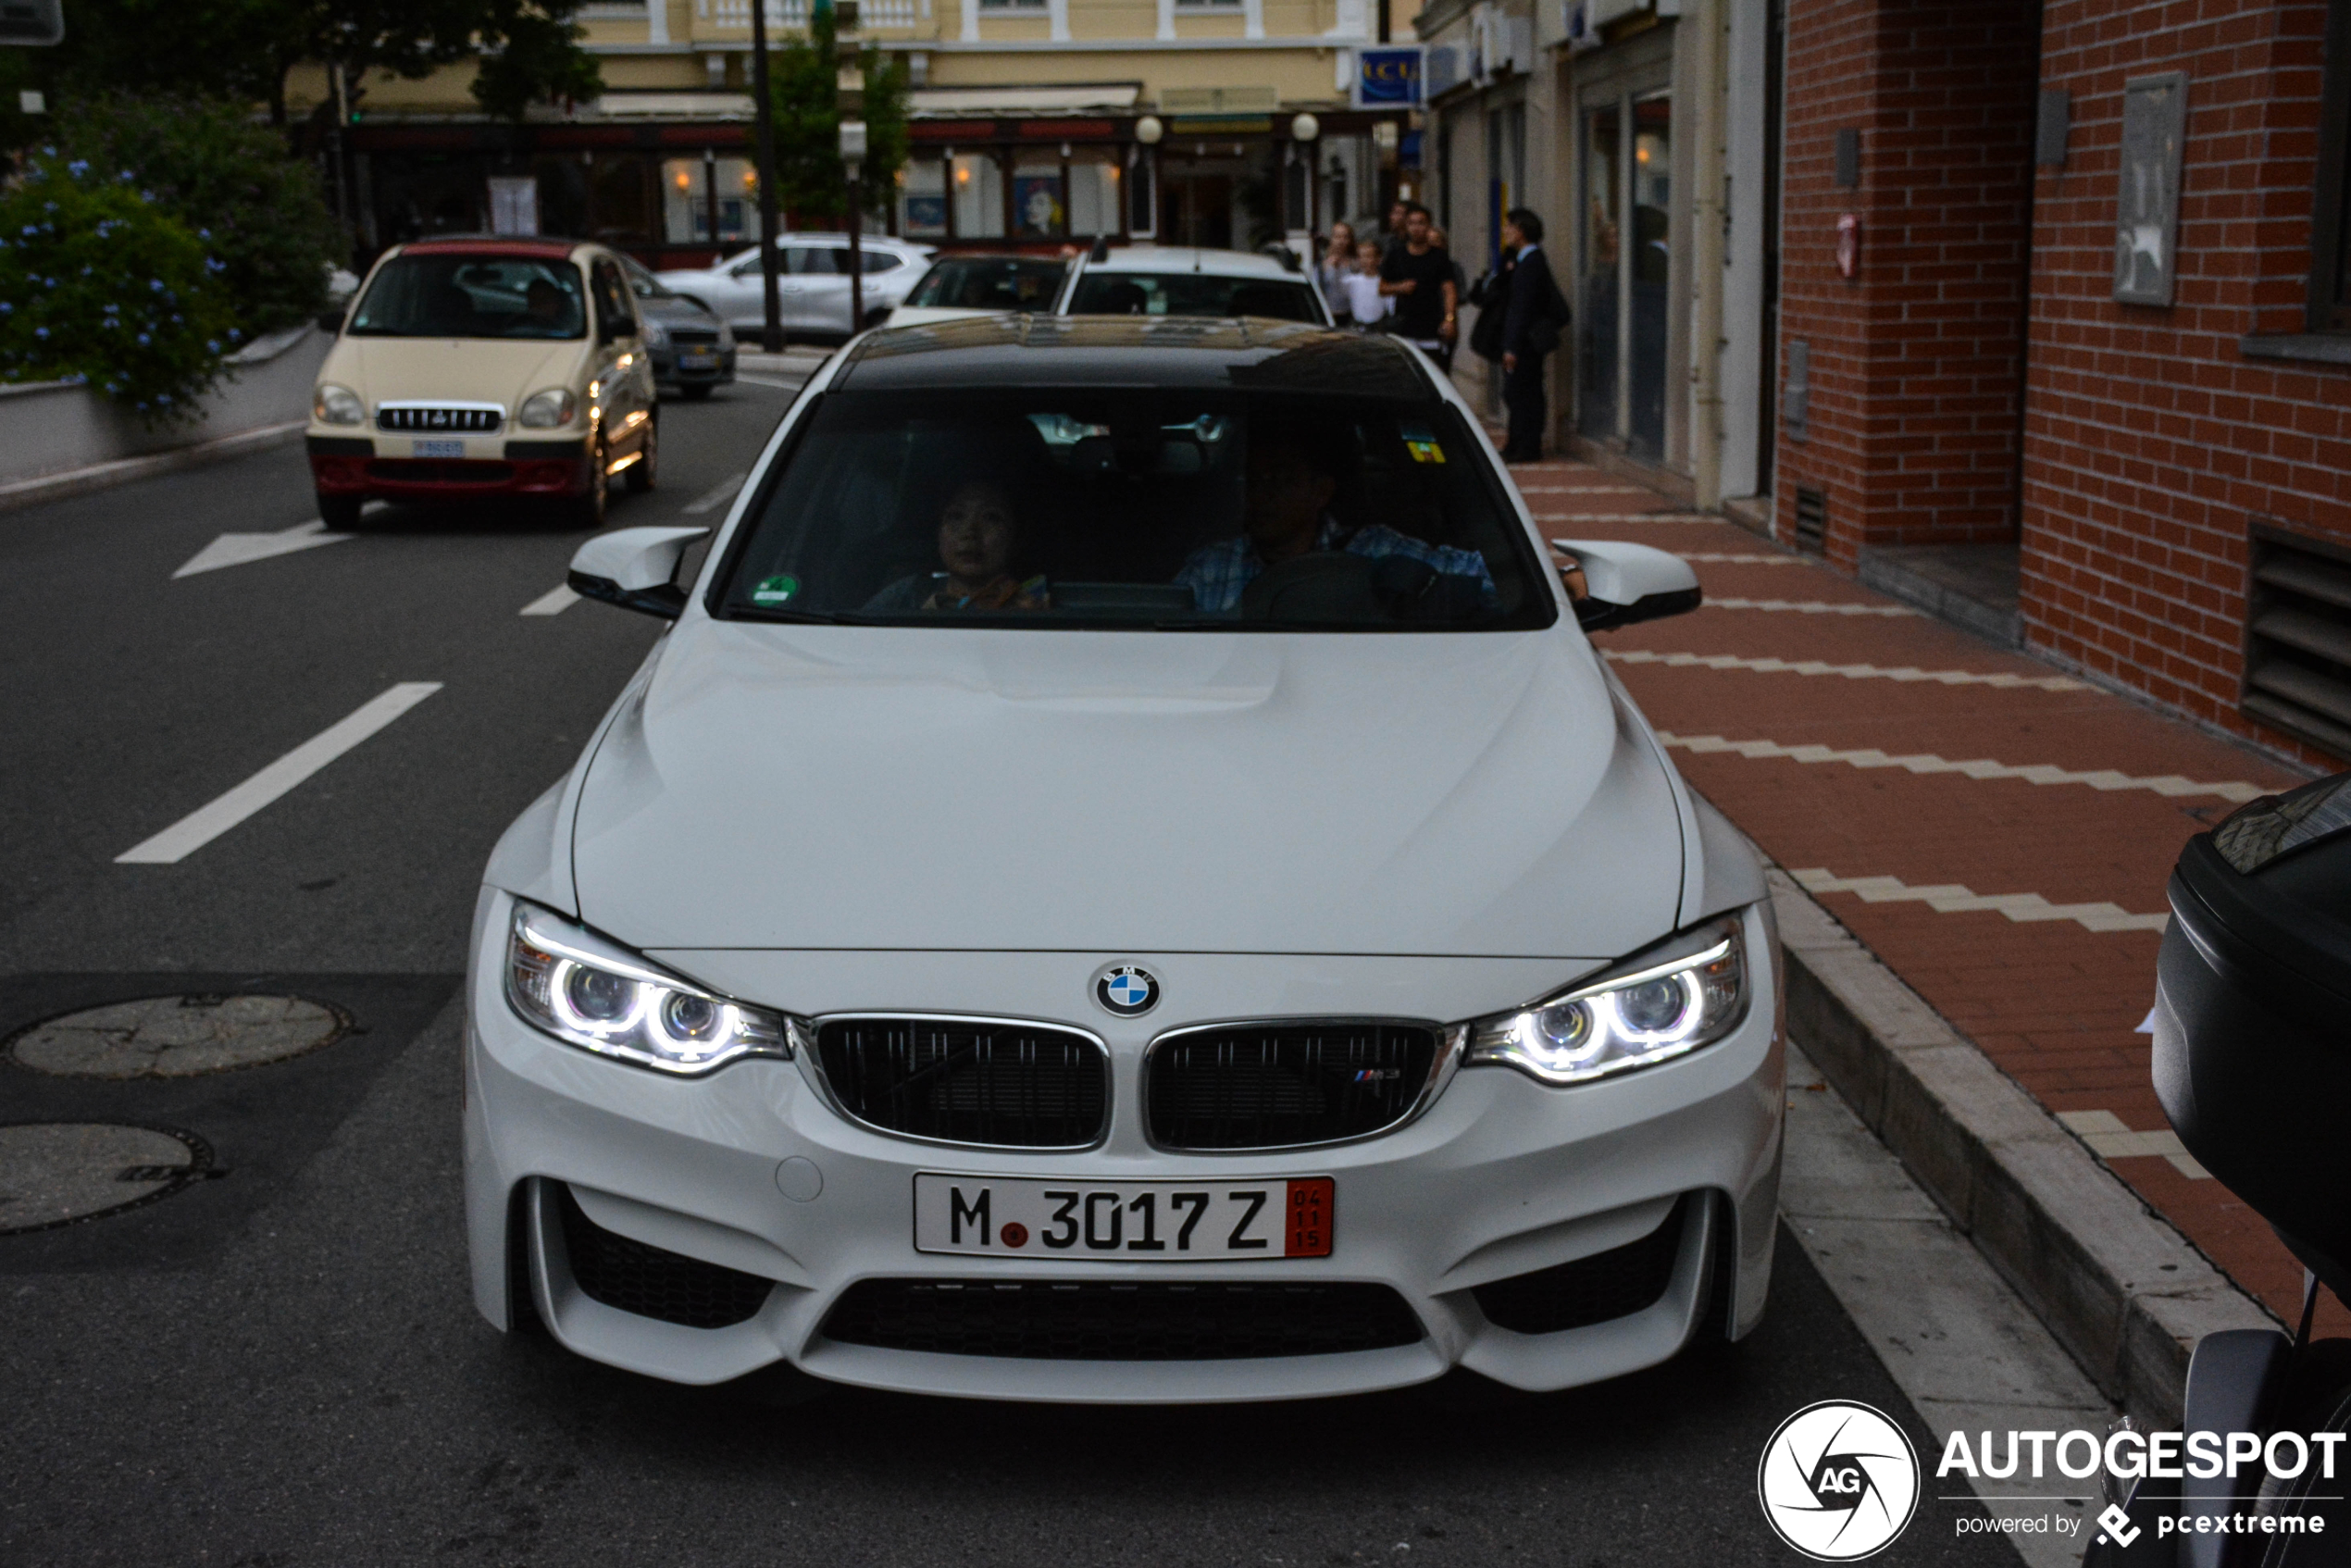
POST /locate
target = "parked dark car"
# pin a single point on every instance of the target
(693, 349)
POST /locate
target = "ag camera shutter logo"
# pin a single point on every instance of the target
(1839, 1481)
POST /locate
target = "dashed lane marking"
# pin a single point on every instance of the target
(1950, 898)
(1850, 672)
(717, 496)
(1810, 608)
(1981, 767)
(555, 601)
(2109, 1138)
(207, 822)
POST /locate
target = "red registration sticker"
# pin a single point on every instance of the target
(1308, 1232)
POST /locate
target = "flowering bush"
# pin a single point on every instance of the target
(98, 285)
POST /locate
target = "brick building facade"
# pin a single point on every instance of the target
(2155, 488)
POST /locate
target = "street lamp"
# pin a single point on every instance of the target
(1147, 131)
(853, 154)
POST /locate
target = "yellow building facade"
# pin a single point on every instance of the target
(1037, 123)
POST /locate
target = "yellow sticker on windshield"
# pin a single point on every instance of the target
(1420, 442)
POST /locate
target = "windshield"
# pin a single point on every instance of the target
(644, 283)
(454, 296)
(1192, 294)
(1174, 510)
(989, 282)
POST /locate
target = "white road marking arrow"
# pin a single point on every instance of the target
(238, 549)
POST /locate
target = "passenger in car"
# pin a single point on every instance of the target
(1291, 480)
(978, 538)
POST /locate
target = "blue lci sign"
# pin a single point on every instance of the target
(1387, 79)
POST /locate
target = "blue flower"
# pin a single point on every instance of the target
(212, 345)
(235, 334)
(154, 285)
(78, 168)
(125, 177)
(7, 309)
(113, 309)
(41, 332)
(163, 397)
(142, 340)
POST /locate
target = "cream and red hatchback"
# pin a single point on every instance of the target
(479, 367)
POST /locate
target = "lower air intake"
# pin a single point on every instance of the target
(652, 1283)
(1617, 1283)
(1097, 1320)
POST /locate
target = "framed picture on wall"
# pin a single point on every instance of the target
(2146, 206)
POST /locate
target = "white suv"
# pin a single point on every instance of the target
(812, 279)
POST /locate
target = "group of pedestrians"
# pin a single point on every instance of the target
(1411, 287)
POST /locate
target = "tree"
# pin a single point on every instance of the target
(804, 84)
(247, 48)
(230, 181)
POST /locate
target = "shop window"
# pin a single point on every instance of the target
(2331, 227)
(1093, 191)
(692, 190)
(1041, 203)
(922, 198)
(979, 196)
(1012, 5)
(622, 209)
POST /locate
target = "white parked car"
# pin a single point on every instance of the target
(982, 283)
(812, 282)
(1184, 281)
(1124, 880)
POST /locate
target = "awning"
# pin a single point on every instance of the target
(976, 101)
(671, 105)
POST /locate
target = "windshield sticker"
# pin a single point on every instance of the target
(774, 589)
(1420, 442)
(1060, 429)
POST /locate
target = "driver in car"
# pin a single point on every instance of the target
(978, 535)
(1291, 478)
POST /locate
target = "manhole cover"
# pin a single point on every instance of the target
(178, 1036)
(54, 1173)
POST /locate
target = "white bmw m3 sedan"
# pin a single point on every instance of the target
(1124, 880)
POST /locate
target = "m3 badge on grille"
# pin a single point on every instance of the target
(1125, 991)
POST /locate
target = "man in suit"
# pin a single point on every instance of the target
(1531, 322)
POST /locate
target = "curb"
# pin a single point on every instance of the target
(2122, 1291)
(122, 470)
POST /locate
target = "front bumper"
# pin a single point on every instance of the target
(1502, 1177)
(672, 369)
(383, 467)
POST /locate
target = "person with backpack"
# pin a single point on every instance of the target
(1532, 313)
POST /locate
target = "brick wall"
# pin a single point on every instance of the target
(1913, 419)
(2152, 443)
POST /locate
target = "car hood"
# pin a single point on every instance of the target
(676, 313)
(788, 786)
(468, 369)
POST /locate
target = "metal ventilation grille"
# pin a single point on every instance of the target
(1812, 519)
(2297, 644)
(968, 1080)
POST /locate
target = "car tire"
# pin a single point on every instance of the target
(588, 511)
(640, 476)
(340, 513)
(695, 392)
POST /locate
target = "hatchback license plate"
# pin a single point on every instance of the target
(441, 448)
(697, 359)
(1139, 1222)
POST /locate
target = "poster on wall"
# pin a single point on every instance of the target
(514, 204)
(2146, 206)
(1036, 203)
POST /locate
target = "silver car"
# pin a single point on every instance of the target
(812, 279)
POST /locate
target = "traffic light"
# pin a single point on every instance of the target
(34, 22)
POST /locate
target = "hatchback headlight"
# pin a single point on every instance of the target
(656, 335)
(725, 336)
(546, 410)
(589, 992)
(1687, 993)
(337, 405)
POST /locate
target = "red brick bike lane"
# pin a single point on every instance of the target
(1997, 832)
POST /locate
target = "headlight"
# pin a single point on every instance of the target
(337, 405)
(588, 992)
(656, 335)
(545, 410)
(1687, 993)
(725, 335)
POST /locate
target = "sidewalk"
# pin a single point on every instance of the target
(1998, 834)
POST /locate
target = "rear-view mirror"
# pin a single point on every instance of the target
(634, 568)
(1625, 583)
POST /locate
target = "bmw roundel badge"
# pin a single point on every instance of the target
(1125, 991)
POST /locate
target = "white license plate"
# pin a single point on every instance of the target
(1139, 1221)
(439, 449)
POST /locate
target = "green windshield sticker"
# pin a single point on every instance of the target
(774, 589)
(1420, 442)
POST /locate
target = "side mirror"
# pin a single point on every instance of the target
(331, 321)
(634, 568)
(1629, 582)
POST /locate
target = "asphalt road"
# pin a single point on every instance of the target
(282, 1367)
